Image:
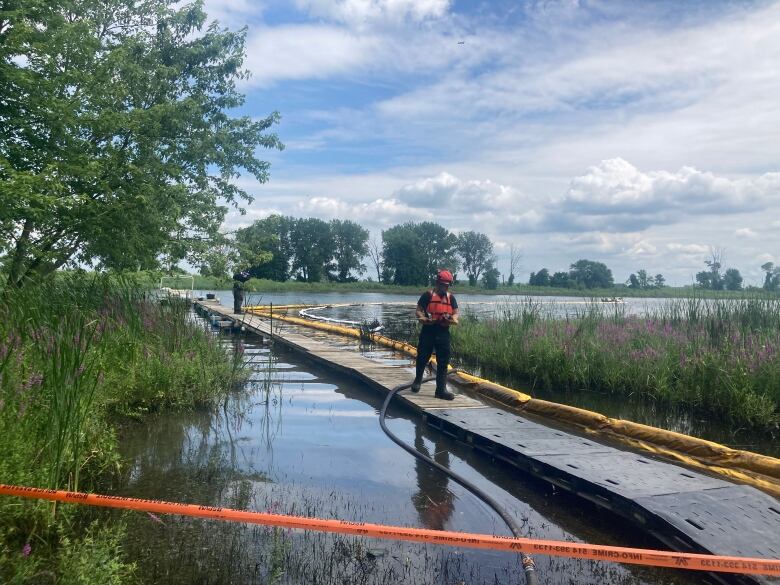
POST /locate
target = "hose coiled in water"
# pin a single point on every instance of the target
(528, 564)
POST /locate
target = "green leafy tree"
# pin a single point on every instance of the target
(350, 242)
(412, 252)
(643, 278)
(772, 278)
(116, 146)
(476, 251)
(264, 248)
(732, 279)
(590, 274)
(659, 281)
(541, 278)
(490, 277)
(633, 281)
(439, 248)
(560, 280)
(313, 248)
(219, 260)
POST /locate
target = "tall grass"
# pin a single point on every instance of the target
(78, 355)
(718, 357)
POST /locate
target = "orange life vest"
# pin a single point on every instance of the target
(439, 305)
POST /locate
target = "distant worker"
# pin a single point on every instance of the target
(437, 310)
(238, 290)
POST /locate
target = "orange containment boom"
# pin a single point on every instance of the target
(635, 556)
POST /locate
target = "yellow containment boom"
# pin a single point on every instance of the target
(760, 471)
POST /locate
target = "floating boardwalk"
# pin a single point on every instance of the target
(685, 509)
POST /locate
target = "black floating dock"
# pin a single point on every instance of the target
(686, 510)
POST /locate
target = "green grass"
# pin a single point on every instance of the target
(720, 358)
(79, 356)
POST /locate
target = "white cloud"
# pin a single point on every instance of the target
(616, 194)
(379, 212)
(689, 249)
(306, 52)
(745, 234)
(445, 191)
(359, 12)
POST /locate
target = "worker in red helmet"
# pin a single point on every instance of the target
(437, 311)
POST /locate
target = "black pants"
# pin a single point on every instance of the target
(438, 338)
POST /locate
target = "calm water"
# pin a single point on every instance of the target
(298, 439)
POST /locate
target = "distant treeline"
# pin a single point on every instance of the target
(283, 248)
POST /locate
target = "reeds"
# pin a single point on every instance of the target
(78, 354)
(719, 357)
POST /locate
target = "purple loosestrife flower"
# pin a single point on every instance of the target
(35, 379)
(26, 550)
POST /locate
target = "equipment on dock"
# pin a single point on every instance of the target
(529, 566)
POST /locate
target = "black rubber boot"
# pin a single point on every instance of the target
(415, 386)
(444, 394)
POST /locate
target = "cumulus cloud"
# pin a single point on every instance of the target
(445, 191)
(628, 199)
(381, 212)
(745, 234)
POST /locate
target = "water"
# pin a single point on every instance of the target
(300, 439)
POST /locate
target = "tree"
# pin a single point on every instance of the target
(659, 281)
(590, 274)
(515, 258)
(560, 280)
(772, 279)
(265, 249)
(541, 278)
(350, 244)
(642, 277)
(116, 122)
(712, 278)
(476, 250)
(413, 251)
(732, 279)
(633, 281)
(439, 248)
(219, 260)
(375, 255)
(313, 247)
(490, 277)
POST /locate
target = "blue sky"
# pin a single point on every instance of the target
(640, 134)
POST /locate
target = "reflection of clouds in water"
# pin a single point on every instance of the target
(332, 412)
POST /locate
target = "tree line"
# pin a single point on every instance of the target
(308, 249)
(283, 248)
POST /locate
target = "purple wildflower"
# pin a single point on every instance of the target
(156, 518)
(26, 550)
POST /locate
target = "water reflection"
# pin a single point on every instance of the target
(433, 500)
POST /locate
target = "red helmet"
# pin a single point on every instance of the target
(444, 276)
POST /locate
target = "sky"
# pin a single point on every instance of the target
(638, 134)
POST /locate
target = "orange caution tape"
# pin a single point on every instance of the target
(635, 556)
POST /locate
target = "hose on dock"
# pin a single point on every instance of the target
(529, 566)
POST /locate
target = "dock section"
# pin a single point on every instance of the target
(685, 509)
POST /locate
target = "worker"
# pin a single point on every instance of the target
(437, 311)
(238, 290)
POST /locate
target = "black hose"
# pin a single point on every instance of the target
(528, 564)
